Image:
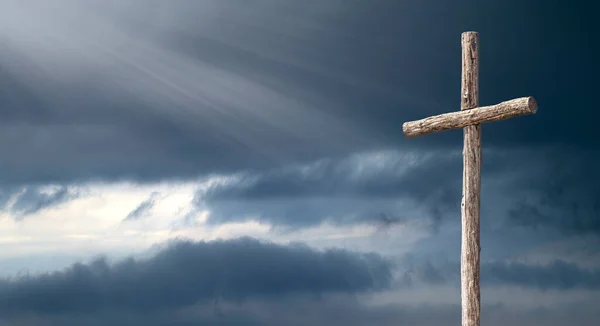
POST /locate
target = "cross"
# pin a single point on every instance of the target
(470, 119)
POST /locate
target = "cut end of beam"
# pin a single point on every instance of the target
(460, 119)
(532, 104)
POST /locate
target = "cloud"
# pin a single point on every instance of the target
(334, 310)
(169, 90)
(33, 199)
(408, 190)
(374, 174)
(7, 194)
(563, 195)
(185, 273)
(143, 209)
(384, 188)
(558, 275)
(553, 189)
(186, 115)
(555, 275)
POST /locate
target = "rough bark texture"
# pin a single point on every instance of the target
(461, 119)
(470, 118)
(470, 246)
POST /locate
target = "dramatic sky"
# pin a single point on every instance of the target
(241, 162)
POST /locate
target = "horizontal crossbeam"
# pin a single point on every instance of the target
(460, 119)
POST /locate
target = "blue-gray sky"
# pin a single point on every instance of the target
(242, 161)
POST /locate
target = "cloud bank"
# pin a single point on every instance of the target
(186, 273)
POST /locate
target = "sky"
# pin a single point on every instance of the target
(242, 162)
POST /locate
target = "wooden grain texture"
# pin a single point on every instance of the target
(470, 245)
(470, 119)
(460, 119)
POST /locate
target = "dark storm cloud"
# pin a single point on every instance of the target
(556, 275)
(382, 188)
(384, 174)
(153, 90)
(33, 199)
(186, 273)
(565, 196)
(150, 90)
(143, 209)
(554, 188)
(314, 311)
(335, 311)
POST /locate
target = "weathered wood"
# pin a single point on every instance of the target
(470, 118)
(460, 119)
(470, 245)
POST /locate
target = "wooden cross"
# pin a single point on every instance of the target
(470, 118)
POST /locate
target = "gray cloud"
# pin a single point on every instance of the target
(554, 188)
(142, 209)
(187, 273)
(371, 174)
(153, 90)
(556, 275)
(563, 195)
(6, 194)
(246, 281)
(380, 188)
(33, 199)
(332, 311)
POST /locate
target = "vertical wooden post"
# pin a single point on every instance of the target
(470, 245)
